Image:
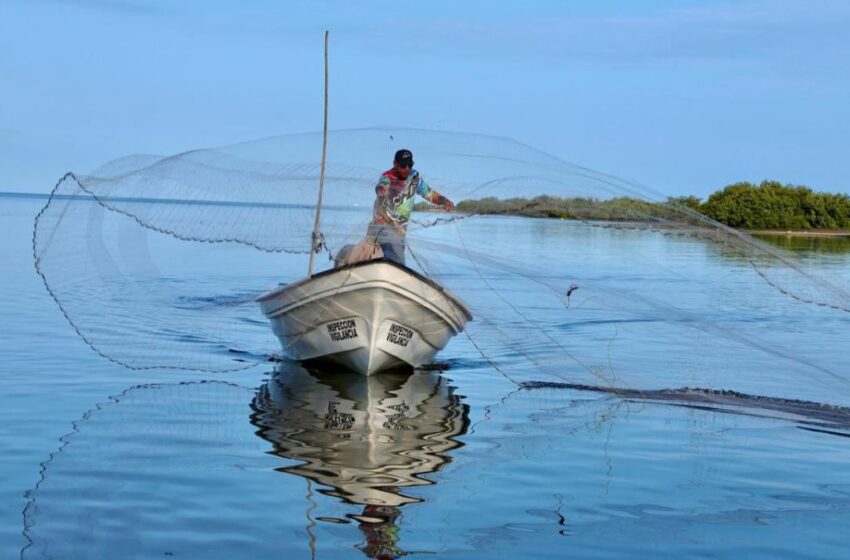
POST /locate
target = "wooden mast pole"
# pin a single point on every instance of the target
(316, 236)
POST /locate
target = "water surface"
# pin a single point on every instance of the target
(455, 461)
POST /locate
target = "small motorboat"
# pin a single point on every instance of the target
(367, 317)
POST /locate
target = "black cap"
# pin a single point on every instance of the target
(403, 157)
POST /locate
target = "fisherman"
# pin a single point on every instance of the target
(394, 202)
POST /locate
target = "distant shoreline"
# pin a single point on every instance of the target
(769, 208)
(422, 207)
(800, 233)
(837, 233)
(13, 194)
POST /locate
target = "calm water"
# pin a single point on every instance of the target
(103, 462)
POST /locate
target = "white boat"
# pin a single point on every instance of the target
(367, 317)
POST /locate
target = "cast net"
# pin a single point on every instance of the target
(136, 465)
(573, 276)
(392, 464)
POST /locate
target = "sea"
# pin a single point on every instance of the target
(458, 459)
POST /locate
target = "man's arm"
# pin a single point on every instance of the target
(424, 190)
(382, 189)
(383, 186)
(382, 212)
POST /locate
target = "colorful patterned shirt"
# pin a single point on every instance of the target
(397, 202)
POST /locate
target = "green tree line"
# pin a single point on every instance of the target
(769, 205)
(772, 205)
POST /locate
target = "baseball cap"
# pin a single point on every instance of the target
(403, 157)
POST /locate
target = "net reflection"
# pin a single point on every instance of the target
(365, 439)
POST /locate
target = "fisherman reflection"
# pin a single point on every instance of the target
(366, 438)
(380, 531)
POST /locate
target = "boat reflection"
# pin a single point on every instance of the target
(365, 438)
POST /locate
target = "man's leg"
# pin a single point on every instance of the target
(394, 249)
(392, 244)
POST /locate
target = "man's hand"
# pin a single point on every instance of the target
(449, 205)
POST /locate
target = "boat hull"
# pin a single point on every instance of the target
(367, 317)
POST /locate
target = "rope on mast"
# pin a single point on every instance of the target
(317, 240)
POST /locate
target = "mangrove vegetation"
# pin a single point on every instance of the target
(767, 206)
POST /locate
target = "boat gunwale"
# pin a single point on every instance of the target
(345, 268)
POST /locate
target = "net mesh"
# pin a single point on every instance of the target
(324, 449)
(363, 445)
(157, 262)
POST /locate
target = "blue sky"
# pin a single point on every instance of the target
(682, 96)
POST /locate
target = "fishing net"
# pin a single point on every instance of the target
(571, 275)
(322, 462)
(363, 445)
